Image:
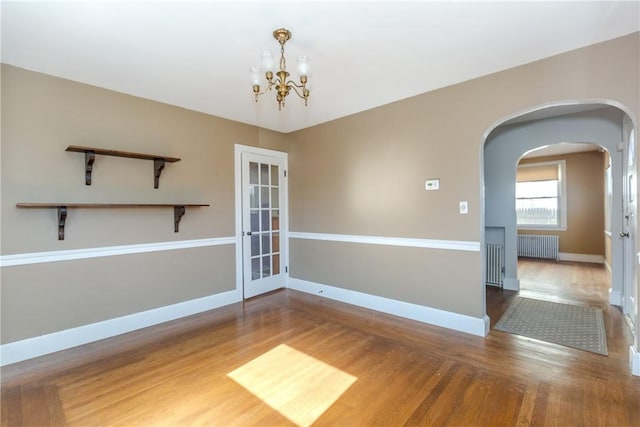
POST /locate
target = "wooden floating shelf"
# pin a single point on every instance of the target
(90, 156)
(178, 210)
(117, 153)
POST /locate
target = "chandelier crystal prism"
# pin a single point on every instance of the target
(280, 83)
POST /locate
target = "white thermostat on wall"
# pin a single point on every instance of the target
(432, 184)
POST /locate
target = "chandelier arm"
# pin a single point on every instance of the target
(298, 93)
(263, 92)
(270, 85)
(292, 83)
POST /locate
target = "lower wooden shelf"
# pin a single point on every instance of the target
(179, 210)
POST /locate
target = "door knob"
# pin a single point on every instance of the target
(624, 234)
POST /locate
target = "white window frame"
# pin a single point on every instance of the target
(562, 197)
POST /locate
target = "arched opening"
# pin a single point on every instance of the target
(600, 127)
(563, 223)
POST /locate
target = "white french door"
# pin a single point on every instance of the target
(264, 216)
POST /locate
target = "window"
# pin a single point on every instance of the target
(540, 195)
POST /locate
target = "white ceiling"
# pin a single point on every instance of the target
(362, 53)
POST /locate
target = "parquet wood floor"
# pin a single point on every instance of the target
(406, 372)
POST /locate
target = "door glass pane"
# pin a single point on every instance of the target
(264, 174)
(264, 197)
(255, 221)
(275, 220)
(274, 175)
(266, 266)
(255, 245)
(266, 243)
(253, 173)
(275, 200)
(275, 242)
(276, 264)
(265, 219)
(255, 268)
(253, 196)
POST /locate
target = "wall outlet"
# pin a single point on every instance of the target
(464, 208)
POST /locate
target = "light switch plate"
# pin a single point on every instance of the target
(464, 207)
(432, 184)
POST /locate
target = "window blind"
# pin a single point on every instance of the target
(538, 173)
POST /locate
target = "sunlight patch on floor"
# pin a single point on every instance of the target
(298, 386)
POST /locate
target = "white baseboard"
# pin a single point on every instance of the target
(511, 284)
(446, 319)
(634, 361)
(615, 297)
(50, 343)
(593, 259)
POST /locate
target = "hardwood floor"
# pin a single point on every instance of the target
(392, 371)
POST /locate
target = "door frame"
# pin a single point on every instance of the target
(629, 292)
(239, 149)
(629, 301)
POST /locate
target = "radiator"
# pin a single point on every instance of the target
(538, 246)
(495, 264)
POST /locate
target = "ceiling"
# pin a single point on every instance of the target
(362, 54)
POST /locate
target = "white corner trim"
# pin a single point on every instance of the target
(456, 245)
(615, 297)
(511, 284)
(50, 343)
(634, 360)
(446, 319)
(74, 254)
(237, 185)
(593, 259)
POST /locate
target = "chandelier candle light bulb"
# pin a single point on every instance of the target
(303, 66)
(255, 76)
(267, 61)
(280, 82)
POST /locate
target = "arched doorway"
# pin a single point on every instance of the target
(563, 223)
(598, 123)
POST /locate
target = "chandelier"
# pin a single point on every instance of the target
(280, 83)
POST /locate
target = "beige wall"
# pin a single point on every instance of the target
(49, 297)
(41, 116)
(585, 203)
(365, 174)
(417, 275)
